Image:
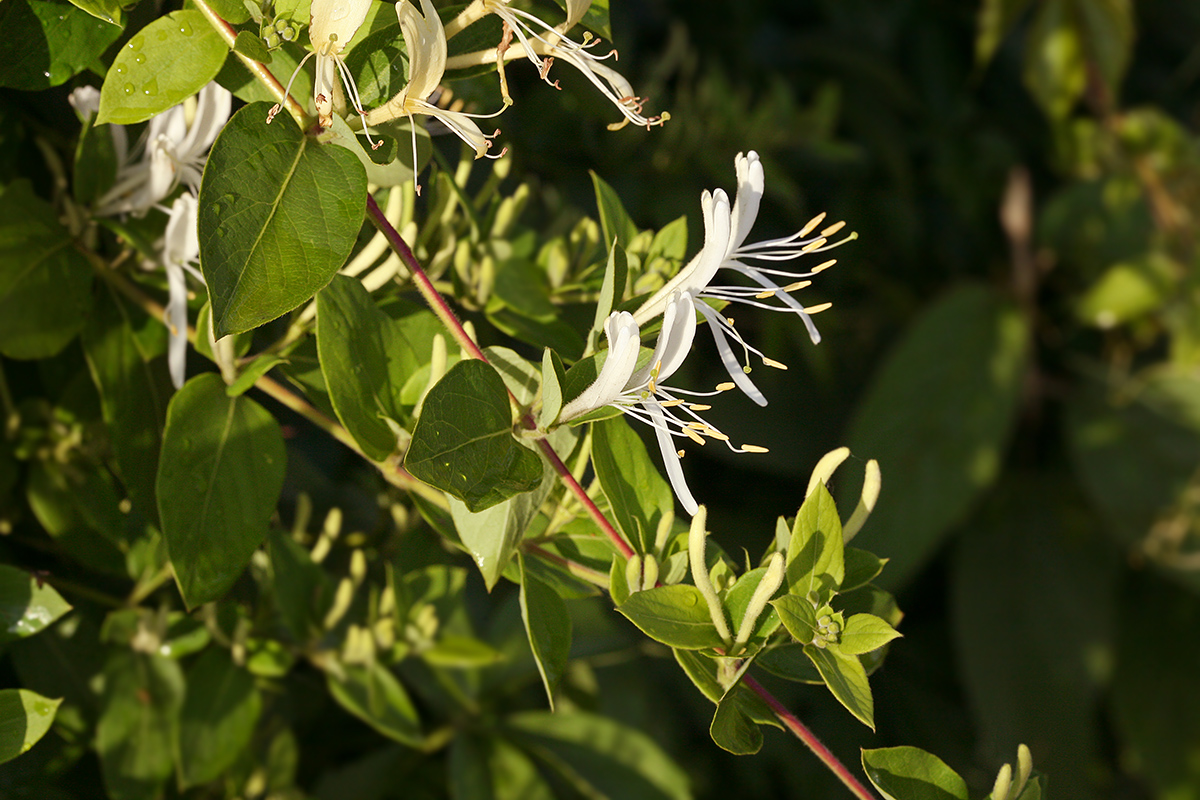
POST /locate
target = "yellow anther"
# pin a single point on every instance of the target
(680, 453)
(815, 244)
(812, 224)
(791, 287)
(770, 362)
(817, 309)
(699, 407)
(834, 228)
(730, 321)
(753, 448)
(696, 426)
(825, 266)
(765, 295)
(725, 387)
(713, 433)
(691, 434)
(672, 403)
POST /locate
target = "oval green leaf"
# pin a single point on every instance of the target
(27, 605)
(218, 717)
(549, 629)
(25, 717)
(846, 678)
(463, 442)
(373, 694)
(219, 478)
(909, 773)
(279, 214)
(676, 615)
(167, 62)
(47, 42)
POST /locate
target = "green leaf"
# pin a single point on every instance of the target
(463, 442)
(732, 729)
(25, 717)
(614, 220)
(109, 11)
(45, 283)
(373, 694)
(1106, 29)
(218, 717)
(639, 497)
(27, 605)
(279, 215)
(600, 756)
(676, 615)
(461, 652)
(552, 380)
(134, 391)
(164, 64)
(815, 558)
(302, 589)
(219, 479)
(864, 633)
(789, 662)
(937, 417)
(846, 678)
(352, 341)
(798, 616)
(491, 536)
(1055, 70)
(907, 773)
(250, 45)
(134, 737)
(862, 567)
(548, 626)
(48, 42)
(612, 291)
(995, 21)
(258, 367)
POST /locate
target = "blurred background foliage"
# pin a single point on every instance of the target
(1015, 336)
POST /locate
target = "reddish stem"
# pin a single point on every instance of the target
(446, 314)
(801, 732)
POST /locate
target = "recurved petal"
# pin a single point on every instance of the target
(425, 41)
(750, 185)
(335, 18)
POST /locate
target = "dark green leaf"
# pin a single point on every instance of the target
(463, 442)
(279, 214)
(612, 291)
(302, 588)
(614, 220)
(134, 737)
(549, 629)
(1106, 31)
(108, 10)
(218, 717)
(1055, 59)
(219, 478)
(861, 568)
(373, 694)
(552, 396)
(907, 773)
(846, 678)
(27, 604)
(676, 615)
(45, 283)
(602, 756)
(134, 391)
(789, 662)
(353, 343)
(732, 730)
(639, 497)
(170, 60)
(48, 42)
(938, 417)
(25, 717)
(995, 21)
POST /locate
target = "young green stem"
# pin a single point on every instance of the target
(801, 732)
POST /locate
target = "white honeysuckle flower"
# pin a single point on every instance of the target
(542, 43)
(641, 394)
(332, 24)
(181, 251)
(725, 232)
(425, 41)
(176, 147)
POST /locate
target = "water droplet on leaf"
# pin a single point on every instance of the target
(185, 28)
(136, 43)
(129, 88)
(140, 58)
(150, 87)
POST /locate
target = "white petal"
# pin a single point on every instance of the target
(749, 196)
(181, 240)
(624, 344)
(674, 341)
(212, 111)
(176, 318)
(340, 18)
(425, 42)
(670, 457)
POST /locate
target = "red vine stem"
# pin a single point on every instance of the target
(801, 732)
(446, 314)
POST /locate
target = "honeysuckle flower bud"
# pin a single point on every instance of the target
(181, 250)
(332, 24)
(640, 393)
(697, 546)
(425, 41)
(542, 43)
(176, 146)
(725, 232)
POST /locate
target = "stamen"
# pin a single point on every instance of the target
(697, 406)
(753, 448)
(817, 309)
(679, 453)
(815, 244)
(834, 228)
(765, 295)
(811, 225)
(673, 403)
(770, 362)
(695, 437)
(725, 387)
(823, 267)
(792, 287)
